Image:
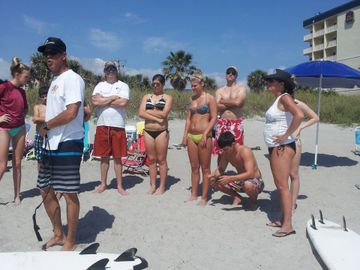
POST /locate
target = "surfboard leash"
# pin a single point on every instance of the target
(35, 225)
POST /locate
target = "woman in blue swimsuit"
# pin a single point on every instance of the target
(200, 120)
(155, 108)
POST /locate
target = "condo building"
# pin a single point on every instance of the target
(335, 35)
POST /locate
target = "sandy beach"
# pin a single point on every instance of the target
(171, 234)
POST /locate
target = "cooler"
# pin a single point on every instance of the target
(357, 140)
(130, 132)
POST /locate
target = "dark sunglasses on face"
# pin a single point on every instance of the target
(110, 69)
(155, 84)
(50, 53)
(231, 72)
(271, 81)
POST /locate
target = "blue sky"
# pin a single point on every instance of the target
(252, 35)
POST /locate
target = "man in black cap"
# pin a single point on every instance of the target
(230, 100)
(63, 130)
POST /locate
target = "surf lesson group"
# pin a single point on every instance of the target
(214, 125)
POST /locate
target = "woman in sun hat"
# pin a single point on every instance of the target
(281, 120)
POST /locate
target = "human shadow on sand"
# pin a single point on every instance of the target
(171, 180)
(95, 221)
(30, 193)
(325, 160)
(128, 182)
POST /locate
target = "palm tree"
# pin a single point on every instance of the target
(256, 81)
(210, 83)
(177, 68)
(39, 70)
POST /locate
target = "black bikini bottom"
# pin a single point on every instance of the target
(292, 145)
(154, 134)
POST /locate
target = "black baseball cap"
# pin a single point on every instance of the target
(53, 44)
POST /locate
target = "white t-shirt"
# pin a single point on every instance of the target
(111, 116)
(67, 88)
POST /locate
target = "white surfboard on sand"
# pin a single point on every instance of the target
(337, 246)
(60, 260)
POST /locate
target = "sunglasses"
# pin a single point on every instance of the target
(50, 53)
(271, 80)
(155, 84)
(110, 69)
(231, 72)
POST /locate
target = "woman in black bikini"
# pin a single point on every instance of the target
(155, 108)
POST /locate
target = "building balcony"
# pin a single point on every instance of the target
(331, 43)
(308, 51)
(331, 58)
(308, 37)
(319, 33)
(319, 47)
(331, 29)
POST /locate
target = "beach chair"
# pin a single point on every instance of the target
(136, 160)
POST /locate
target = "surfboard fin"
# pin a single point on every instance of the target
(99, 265)
(313, 225)
(90, 249)
(321, 217)
(127, 255)
(344, 224)
(144, 264)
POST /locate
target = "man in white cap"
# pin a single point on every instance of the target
(110, 99)
(230, 100)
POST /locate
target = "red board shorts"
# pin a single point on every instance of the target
(110, 141)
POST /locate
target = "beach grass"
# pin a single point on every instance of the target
(335, 108)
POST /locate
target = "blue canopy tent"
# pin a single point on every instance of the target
(324, 74)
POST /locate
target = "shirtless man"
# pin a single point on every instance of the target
(247, 180)
(230, 100)
(39, 119)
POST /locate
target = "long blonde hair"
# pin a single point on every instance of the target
(17, 66)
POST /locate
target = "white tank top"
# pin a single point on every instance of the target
(277, 122)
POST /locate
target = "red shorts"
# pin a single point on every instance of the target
(236, 127)
(110, 141)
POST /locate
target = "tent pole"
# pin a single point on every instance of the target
(314, 166)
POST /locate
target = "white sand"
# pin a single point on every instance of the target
(172, 234)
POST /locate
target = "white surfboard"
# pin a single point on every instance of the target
(337, 246)
(60, 260)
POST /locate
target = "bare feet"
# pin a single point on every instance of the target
(159, 191)
(55, 241)
(202, 202)
(122, 191)
(101, 188)
(275, 224)
(68, 247)
(151, 190)
(191, 199)
(17, 201)
(237, 201)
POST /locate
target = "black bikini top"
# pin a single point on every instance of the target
(158, 105)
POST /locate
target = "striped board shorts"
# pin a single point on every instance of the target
(60, 168)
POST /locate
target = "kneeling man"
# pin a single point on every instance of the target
(247, 180)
